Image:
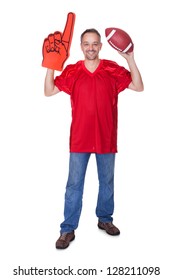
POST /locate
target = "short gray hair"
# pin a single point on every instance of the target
(90, 30)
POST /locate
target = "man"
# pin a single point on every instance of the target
(93, 85)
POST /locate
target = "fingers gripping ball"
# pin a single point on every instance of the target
(119, 39)
(56, 47)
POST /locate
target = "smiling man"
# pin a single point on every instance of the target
(93, 85)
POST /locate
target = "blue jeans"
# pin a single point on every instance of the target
(75, 185)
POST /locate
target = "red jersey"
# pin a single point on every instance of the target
(94, 99)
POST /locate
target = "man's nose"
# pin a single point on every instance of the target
(91, 47)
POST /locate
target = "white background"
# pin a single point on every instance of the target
(34, 142)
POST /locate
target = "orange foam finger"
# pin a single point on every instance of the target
(56, 46)
(68, 30)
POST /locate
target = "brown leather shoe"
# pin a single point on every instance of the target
(109, 227)
(65, 239)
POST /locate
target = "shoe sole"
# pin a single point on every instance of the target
(58, 247)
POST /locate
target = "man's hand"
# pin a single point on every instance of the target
(127, 55)
(56, 47)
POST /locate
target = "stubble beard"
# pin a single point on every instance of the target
(91, 55)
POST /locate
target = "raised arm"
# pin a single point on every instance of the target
(49, 87)
(137, 83)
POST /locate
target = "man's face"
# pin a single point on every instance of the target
(91, 46)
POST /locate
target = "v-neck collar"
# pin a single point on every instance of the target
(95, 71)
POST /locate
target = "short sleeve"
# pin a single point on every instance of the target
(65, 81)
(123, 78)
